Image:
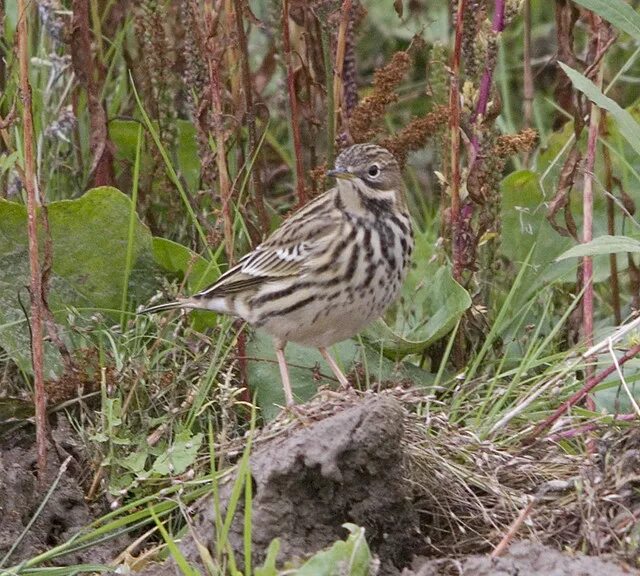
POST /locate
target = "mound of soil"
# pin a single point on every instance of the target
(65, 512)
(524, 559)
(363, 460)
(345, 468)
(350, 466)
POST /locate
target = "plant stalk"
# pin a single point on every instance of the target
(221, 160)
(293, 103)
(37, 305)
(250, 115)
(338, 84)
(454, 131)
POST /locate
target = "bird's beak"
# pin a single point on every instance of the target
(340, 172)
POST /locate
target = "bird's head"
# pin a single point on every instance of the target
(371, 168)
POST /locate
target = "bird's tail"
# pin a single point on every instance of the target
(173, 305)
(219, 305)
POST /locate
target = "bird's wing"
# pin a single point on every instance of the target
(289, 251)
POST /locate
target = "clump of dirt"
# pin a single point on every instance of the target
(65, 512)
(345, 468)
(523, 559)
(419, 486)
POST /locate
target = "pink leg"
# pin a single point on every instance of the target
(334, 368)
(284, 376)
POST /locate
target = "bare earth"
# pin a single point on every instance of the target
(346, 466)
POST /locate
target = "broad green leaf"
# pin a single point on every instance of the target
(307, 369)
(430, 306)
(124, 134)
(351, 557)
(619, 13)
(602, 245)
(629, 128)
(179, 455)
(440, 300)
(89, 238)
(264, 374)
(134, 461)
(178, 259)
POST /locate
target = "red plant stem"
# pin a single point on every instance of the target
(454, 131)
(293, 103)
(497, 26)
(101, 147)
(528, 71)
(583, 392)
(37, 344)
(501, 548)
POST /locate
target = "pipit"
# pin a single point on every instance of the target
(330, 269)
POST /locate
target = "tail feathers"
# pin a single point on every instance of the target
(213, 304)
(162, 307)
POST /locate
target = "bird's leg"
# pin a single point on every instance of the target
(334, 368)
(284, 374)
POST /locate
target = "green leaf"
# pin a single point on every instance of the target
(441, 299)
(629, 128)
(269, 566)
(602, 245)
(619, 13)
(180, 455)
(124, 134)
(308, 370)
(432, 302)
(178, 259)
(89, 238)
(134, 461)
(351, 557)
(264, 374)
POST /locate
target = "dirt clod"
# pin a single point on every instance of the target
(345, 468)
(64, 514)
(524, 559)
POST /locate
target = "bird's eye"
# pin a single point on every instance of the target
(374, 170)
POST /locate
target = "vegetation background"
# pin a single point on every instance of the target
(145, 146)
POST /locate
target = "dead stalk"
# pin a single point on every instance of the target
(528, 72)
(221, 158)
(37, 344)
(454, 131)
(84, 68)
(338, 84)
(587, 223)
(501, 548)
(250, 116)
(293, 103)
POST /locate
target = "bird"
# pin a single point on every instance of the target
(330, 269)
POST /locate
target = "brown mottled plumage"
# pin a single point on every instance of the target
(330, 269)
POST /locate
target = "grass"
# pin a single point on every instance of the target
(160, 404)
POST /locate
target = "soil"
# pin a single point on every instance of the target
(350, 467)
(523, 559)
(344, 465)
(65, 512)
